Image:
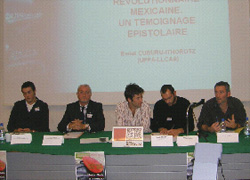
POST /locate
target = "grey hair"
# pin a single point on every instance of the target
(84, 85)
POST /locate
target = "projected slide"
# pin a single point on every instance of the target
(60, 44)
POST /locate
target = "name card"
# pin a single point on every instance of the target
(49, 140)
(228, 137)
(187, 140)
(22, 138)
(161, 140)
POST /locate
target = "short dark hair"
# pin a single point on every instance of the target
(131, 90)
(166, 87)
(222, 83)
(28, 84)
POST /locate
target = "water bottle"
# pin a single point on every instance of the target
(223, 125)
(2, 133)
(247, 128)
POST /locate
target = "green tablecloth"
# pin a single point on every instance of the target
(71, 146)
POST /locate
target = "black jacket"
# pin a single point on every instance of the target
(37, 119)
(95, 116)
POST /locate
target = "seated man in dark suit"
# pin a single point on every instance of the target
(84, 114)
(30, 114)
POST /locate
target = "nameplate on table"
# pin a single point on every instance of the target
(187, 140)
(22, 138)
(158, 140)
(127, 136)
(50, 140)
(228, 137)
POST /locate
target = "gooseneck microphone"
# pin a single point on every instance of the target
(196, 104)
(193, 105)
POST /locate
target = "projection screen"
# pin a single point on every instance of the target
(60, 44)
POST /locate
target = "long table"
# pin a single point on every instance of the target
(34, 161)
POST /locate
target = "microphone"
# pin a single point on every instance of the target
(193, 105)
(196, 104)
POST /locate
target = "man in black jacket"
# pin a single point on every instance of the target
(84, 114)
(30, 114)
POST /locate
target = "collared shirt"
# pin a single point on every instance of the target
(29, 106)
(211, 112)
(124, 116)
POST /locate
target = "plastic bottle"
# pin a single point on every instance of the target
(2, 133)
(247, 128)
(223, 125)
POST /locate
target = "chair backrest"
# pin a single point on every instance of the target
(206, 156)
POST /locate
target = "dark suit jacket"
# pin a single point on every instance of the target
(95, 116)
(37, 119)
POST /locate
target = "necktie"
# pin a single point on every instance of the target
(84, 112)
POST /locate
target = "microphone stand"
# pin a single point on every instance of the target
(193, 105)
(187, 117)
